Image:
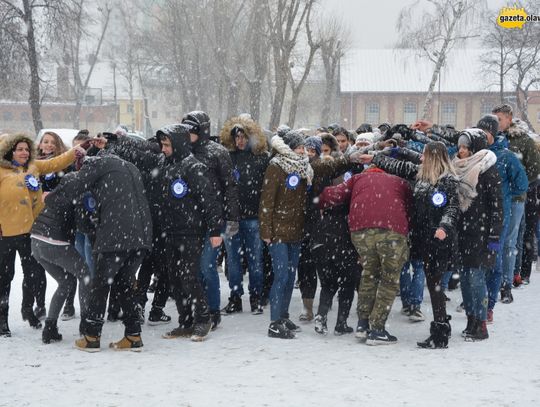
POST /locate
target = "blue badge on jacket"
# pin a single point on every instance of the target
(31, 182)
(438, 199)
(347, 176)
(236, 174)
(292, 181)
(179, 188)
(89, 202)
(50, 176)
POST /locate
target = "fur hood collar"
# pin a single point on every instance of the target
(257, 139)
(8, 142)
(515, 131)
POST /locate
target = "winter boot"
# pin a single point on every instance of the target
(50, 332)
(88, 344)
(158, 317)
(489, 316)
(506, 294)
(470, 324)
(362, 329)
(180, 332)
(291, 326)
(479, 331)
(320, 325)
(215, 318)
(342, 328)
(438, 338)
(129, 342)
(234, 305)
(517, 280)
(255, 304)
(277, 329)
(69, 313)
(307, 313)
(40, 313)
(28, 315)
(380, 337)
(201, 331)
(4, 327)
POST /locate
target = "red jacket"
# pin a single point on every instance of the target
(377, 200)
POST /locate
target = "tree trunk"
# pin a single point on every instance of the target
(233, 99)
(255, 91)
(293, 108)
(279, 95)
(34, 96)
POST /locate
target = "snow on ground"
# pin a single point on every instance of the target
(238, 365)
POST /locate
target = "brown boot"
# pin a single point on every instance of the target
(88, 344)
(132, 343)
(307, 314)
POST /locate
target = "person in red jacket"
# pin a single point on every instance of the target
(379, 224)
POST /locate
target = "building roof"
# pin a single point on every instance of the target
(402, 70)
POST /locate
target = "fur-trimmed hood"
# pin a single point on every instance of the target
(257, 140)
(8, 142)
(515, 131)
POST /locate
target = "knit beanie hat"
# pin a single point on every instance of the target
(315, 143)
(489, 123)
(294, 139)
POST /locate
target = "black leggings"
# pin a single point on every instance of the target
(307, 272)
(34, 281)
(436, 259)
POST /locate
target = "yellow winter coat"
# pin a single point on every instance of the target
(19, 205)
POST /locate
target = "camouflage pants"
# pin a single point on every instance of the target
(383, 253)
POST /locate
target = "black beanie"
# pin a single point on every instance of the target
(489, 123)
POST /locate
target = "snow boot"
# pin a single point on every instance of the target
(438, 338)
(362, 329)
(131, 343)
(215, 318)
(320, 325)
(277, 329)
(50, 332)
(234, 305)
(28, 315)
(342, 328)
(158, 317)
(4, 327)
(506, 294)
(255, 304)
(201, 331)
(479, 331)
(88, 343)
(470, 324)
(307, 313)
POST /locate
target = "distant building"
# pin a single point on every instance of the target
(387, 85)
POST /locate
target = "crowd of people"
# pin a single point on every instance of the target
(376, 211)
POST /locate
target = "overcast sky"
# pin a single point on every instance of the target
(373, 22)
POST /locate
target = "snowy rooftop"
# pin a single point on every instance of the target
(401, 70)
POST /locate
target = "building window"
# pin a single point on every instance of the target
(8, 116)
(486, 108)
(448, 113)
(372, 113)
(154, 114)
(129, 108)
(409, 112)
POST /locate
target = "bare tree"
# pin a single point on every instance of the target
(334, 38)
(436, 33)
(285, 20)
(52, 13)
(13, 66)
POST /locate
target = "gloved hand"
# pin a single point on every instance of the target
(494, 244)
(232, 228)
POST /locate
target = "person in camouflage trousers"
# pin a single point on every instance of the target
(379, 206)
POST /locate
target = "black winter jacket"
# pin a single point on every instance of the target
(124, 216)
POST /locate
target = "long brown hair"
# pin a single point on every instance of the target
(60, 146)
(436, 163)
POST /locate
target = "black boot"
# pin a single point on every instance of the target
(468, 329)
(478, 332)
(50, 332)
(234, 305)
(215, 317)
(438, 338)
(255, 304)
(40, 312)
(4, 327)
(28, 315)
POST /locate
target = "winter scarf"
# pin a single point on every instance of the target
(468, 170)
(289, 161)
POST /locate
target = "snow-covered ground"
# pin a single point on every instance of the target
(240, 366)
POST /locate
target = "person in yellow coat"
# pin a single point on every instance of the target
(20, 203)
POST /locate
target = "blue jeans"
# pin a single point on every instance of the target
(495, 275)
(474, 291)
(209, 274)
(511, 242)
(445, 280)
(247, 239)
(83, 245)
(285, 257)
(411, 283)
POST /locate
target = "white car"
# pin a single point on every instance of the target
(67, 135)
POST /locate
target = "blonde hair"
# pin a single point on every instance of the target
(436, 163)
(60, 146)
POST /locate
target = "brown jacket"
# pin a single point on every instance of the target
(19, 206)
(281, 210)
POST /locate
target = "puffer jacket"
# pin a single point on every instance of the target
(19, 204)
(525, 148)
